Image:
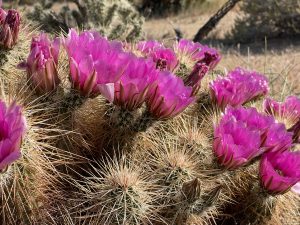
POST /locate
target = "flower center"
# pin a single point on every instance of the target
(279, 172)
(208, 58)
(161, 64)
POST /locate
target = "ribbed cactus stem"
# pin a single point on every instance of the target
(195, 201)
(211, 198)
(144, 122)
(190, 193)
(120, 117)
(72, 101)
(260, 206)
(192, 190)
(127, 202)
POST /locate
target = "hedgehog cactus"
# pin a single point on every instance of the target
(124, 140)
(119, 194)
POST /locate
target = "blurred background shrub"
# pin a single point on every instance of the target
(269, 18)
(164, 7)
(116, 19)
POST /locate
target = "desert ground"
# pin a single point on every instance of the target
(278, 58)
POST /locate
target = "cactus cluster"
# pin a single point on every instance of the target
(109, 132)
(116, 19)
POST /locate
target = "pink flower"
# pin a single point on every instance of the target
(169, 97)
(146, 47)
(274, 136)
(195, 77)
(209, 57)
(238, 88)
(164, 58)
(9, 27)
(289, 109)
(42, 63)
(188, 48)
(278, 139)
(132, 89)
(197, 53)
(251, 117)
(237, 142)
(95, 63)
(242, 75)
(12, 129)
(279, 171)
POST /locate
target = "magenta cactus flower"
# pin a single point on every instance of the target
(237, 142)
(12, 129)
(274, 136)
(169, 97)
(164, 58)
(238, 88)
(9, 27)
(242, 75)
(225, 92)
(132, 88)
(209, 56)
(146, 47)
(95, 63)
(288, 110)
(251, 117)
(188, 48)
(197, 53)
(279, 171)
(195, 77)
(278, 139)
(41, 64)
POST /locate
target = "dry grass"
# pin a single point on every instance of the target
(276, 58)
